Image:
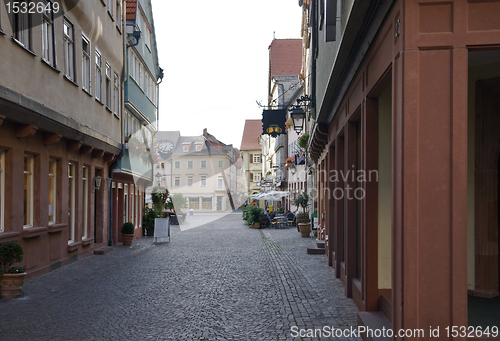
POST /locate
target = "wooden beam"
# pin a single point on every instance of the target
(51, 138)
(108, 157)
(97, 153)
(74, 144)
(86, 150)
(26, 130)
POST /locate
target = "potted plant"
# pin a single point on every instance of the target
(245, 215)
(254, 216)
(303, 139)
(127, 233)
(303, 222)
(160, 197)
(148, 221)
(11, 277)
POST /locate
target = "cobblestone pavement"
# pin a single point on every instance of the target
(219, 281)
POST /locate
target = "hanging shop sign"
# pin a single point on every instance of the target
(273, 122)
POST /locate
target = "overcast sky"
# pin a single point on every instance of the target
(216, 61)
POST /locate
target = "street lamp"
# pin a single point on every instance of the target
(298, 116)
(158, 178)
(97, 180)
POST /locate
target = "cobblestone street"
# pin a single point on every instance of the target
(219, 281)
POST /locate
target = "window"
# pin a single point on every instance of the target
(177, 181)
(118, 14)
(69, 45)
(203, 164)
(98, 75)
(86, 63)
(221, 164)
(220, 183)
(22, 29)
(190, 165)
(185, 148)
(198, 147)
(132, 205)
(108, 86)
(116, 91)
(71, 202)
(194, 203)
(177, 165)
(2, 190)
(29, 161)
(48, 49)
(85, 201)
(206, 203)
(110, 7)
(203, 181)
(52, 191)
(256, 158)
(190, 181)
(125, 203)
(257, 177)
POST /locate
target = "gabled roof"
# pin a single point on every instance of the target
(285, 57)
(251, 133)
(131, 10)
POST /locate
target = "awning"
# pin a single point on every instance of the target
(272, 195)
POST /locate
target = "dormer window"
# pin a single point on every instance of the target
(185, 148)
(198, 147)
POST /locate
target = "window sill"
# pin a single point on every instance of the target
(99, 101)
(111, 16)
(88, 93)
(21, 45)
(109, 109)
(56, 228)
(116, 115)
(87, 241)
(50, 66)
(3, 33)
(119, 29)
(6, 235)
(71, 81)
(33, 232)
(73, 246)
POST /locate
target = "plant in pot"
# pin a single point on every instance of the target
(127, 233)
(11, 277)
(303, 222)
(254, 216)
(246, 212)
(148, 221)
(160, 198)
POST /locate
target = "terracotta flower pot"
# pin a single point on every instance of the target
(127, 239)
(305, 229)
(10, 284)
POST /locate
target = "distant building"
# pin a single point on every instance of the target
(61, 104)
(252, 156)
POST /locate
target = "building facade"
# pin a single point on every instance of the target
(133, 173)
(60, 108)
(251, 156)
(406, 147)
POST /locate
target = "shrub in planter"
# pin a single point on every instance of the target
(254, 215)
(11, 277)
(127, 233)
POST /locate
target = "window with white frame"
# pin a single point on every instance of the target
(118, 14)
(69, 50)
(98, 75)
(257, 177)
(85, 202)
(203, 181)
(190, 181)
(220, 183)
(116, 90)
(256, 158)
(203, 164)
(110, 7)
(22, 28)
(198, 147)
(185, 148)
(221, 163)
(48, 50)
(190, 165)
(52, 191)
(71, 201)
(177, 181)
(108, 86)
(177, 165)
(2, 190)
(86, 63)
(29, 162)
(132, 205)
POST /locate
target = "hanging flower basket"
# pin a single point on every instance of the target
(289, 124)
(303, 140)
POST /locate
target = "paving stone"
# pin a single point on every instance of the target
(219, 281)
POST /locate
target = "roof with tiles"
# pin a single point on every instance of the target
(251, 133)
(285, 57)
(131, 10)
